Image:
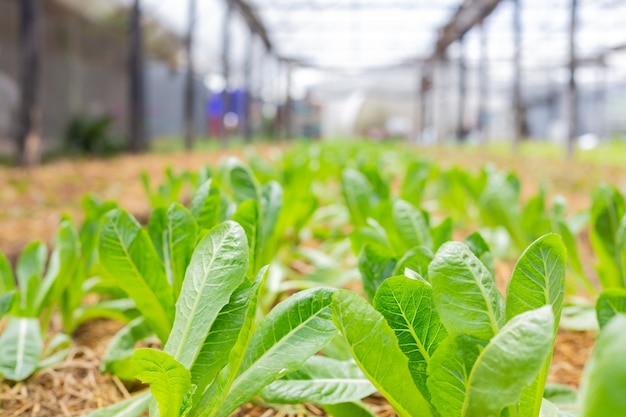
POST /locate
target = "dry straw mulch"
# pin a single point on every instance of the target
(75, 386)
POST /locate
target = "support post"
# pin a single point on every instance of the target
(288, 104)
(226, 102)
(137, 127)
(439, 85)
(28, 139)
(601, 126)
(247, 126)
(425, 88)
(460, 123)
(189, 98)
(572, 96)
(517, 75)
(483, 88)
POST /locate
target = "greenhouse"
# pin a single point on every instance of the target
(290, 208)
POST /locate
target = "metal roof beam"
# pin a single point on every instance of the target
(253, 20)
(469, 14)
(315, 7)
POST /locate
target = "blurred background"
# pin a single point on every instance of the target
(103, 76)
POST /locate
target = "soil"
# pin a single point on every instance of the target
(34, 200)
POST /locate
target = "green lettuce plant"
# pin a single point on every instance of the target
(29, 297)
(608, 235)
(450, 345)
(215, 356)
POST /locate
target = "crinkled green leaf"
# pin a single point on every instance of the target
(291, 333)
(128, 255)
(218, 266)
(511, 361)
(449, 371)
(411, 225)
(477, 244)
(538, 279)
(169, 380)
(409, 309)
(226, 330)
(465, 293)
(321, 380)
(375, 348)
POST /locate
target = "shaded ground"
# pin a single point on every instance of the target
(32, 203)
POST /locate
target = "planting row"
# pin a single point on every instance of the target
(237, 278)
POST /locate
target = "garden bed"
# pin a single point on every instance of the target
(37, 198)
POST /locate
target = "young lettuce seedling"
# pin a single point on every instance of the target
(449, 345)
(608, 235)
(215, 358)
(41, 283)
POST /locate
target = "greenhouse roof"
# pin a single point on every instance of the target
(353, 35)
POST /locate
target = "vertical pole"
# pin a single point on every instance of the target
(437, 94)
(417, 106)
(226, 70)
(137, 128)
(189, 98)
(247, 127)
(601, 116)
(483, 80)
(517, 74)
(572, 97)
(28, 138)
(288, 104)
(425, 87)
(259, 88)
(279, 116)
(460, 128)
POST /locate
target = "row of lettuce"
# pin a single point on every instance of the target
(236, 275)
